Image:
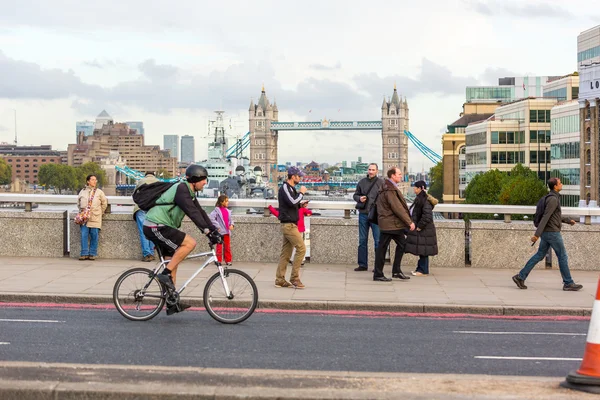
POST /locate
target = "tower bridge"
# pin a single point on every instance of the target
(264, 129)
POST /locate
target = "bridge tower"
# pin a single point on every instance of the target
(394, 146)
(263, 141)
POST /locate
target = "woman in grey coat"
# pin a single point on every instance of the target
(422, 241)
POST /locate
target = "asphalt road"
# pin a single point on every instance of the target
(295, 341)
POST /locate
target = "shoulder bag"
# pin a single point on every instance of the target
(360, 205)
(82, 217)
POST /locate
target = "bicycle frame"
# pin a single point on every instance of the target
(213, 258)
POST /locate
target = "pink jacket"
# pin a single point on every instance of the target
(302, 212)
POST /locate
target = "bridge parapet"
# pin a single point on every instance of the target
(488, 244)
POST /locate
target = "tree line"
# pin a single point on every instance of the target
(519, 186)
(63, 177)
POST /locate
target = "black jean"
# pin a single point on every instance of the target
(385, 237)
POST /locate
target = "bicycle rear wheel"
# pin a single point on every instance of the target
(138, 297)
(235, 306)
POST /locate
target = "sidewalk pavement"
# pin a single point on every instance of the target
(328, 287)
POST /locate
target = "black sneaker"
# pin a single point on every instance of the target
(519, 282)
(572, 287)
(177, 308)
(166, 280)
(361, 269)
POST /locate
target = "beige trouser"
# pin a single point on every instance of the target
(291, 239)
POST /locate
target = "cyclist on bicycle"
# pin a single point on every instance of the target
(164, 220)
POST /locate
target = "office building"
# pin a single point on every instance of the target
(589, 97)
(25, 161)
(508, 89)
(127, 142)
(171, 143)
(518, 132)
(588, 46)
(454, 151)
(188, 154)
(137, 125)
(103, 119)
(87, 127)
(565, 88)
(565, 150)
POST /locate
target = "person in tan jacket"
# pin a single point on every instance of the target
(394, 221)
(91, 229)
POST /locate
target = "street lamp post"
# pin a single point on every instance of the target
(453, 174)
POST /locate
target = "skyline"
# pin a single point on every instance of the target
(171, 66)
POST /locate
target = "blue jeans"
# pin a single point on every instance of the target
(89, 241)
(547, 240)
(363, 239)
(423, 265)
(147, 246)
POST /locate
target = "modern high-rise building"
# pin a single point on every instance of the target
(137, 125)
(188, 154)
(171, 143)
(87, 127)
(103, 119)
(508, 89)
(588, 46)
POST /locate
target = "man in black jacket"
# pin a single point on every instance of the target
(289, 202)
(364, 196)
(549, 231)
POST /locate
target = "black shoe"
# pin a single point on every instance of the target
(400, 275)
(382, 279)
(572, 287)
(361, 269)
(177, 308)
(166, 280)
(520, 282)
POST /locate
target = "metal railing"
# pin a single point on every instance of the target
(346, 206)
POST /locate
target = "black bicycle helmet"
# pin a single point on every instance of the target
(196, 173)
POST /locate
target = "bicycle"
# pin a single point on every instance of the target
(231, 302)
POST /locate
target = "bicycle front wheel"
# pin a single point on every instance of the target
(236, 305)
(137, 296)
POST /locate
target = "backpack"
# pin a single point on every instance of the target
(147, 194)
(539, 210)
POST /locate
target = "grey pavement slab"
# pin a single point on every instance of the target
(329, 285)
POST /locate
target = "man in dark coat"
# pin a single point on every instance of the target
(394, 220)
(364, 196)
(422, 241)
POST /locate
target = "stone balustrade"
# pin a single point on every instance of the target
(333, 240)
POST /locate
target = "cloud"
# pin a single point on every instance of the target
(433, 78)
(93, 64)
(25, 80)
(4, 128)
(158, 72)
(163, 87)
(323, 67)
(520, 9)
(490, 75)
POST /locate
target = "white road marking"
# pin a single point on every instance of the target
(51, 321)
(529, 358)
(520, 333)
(4, 343)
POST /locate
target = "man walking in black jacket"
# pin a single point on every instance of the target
(289, 202)
(549, 231)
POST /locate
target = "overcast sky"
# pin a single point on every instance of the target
(171, 64)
